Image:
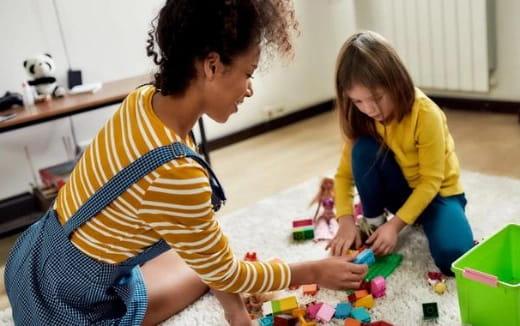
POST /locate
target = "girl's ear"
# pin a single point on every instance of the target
(211, 65)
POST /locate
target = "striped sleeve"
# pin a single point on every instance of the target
(177, 205)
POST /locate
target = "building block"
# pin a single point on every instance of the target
(300, 314)
(300, 223)
(285, 320)
(342, 310)
(378, 286)
(353, 297)
(309, 289)
(266, 321)
(365, 257)
(430, 311)
(440, 287)
(288, 304)
(313, 309)
(325, 313)
(380, 323)
(384, 266)
(435, 276)
(267, 308)
(360, 314)
(250, 256)
(276, 309)
(366, 301)
(366, 286)
(352, 322)
(303, 233)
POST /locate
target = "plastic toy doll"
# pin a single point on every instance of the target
(325, 222)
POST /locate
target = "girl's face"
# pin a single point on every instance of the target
(231, 85)
(377, 103)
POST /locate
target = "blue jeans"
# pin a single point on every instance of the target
(382, 185)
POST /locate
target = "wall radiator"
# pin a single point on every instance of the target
(446, 44)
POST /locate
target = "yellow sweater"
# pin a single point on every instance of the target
(424, 150)
(171, 203)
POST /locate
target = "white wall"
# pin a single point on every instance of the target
(506, 78)
(106, 40)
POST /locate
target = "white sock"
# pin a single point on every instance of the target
(376, 221)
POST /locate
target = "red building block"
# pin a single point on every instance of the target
(380, 323)
(285, 320)
(300, 223)
(250, 256)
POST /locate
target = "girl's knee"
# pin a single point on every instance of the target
(444, 255)
(365, 148)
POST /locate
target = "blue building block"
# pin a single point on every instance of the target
(266, 321)
(360, 314)
(343, 310)
(365, 257)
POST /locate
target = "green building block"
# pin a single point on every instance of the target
(275, 304)
(430, 311)
(384, 266)
(303, 233)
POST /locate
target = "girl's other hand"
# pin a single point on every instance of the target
(347, 235)
(384, 238)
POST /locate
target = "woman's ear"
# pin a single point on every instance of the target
(211, 65)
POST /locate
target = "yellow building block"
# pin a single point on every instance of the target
(288, 304)
(366, 302)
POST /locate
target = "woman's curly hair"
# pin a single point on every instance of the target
(188, 30)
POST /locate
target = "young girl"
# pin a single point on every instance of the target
(326, 225)
(101, 254)
(399, 154)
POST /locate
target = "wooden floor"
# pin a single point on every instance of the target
(264, 165)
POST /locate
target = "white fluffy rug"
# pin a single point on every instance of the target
(266, 228)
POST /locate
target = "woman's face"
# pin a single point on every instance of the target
(231, 85)
(377, 103)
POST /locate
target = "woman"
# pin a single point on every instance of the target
(101, 255)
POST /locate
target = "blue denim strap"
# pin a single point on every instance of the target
(134, 172)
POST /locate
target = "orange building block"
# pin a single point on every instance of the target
(309, 289)
(352, 322)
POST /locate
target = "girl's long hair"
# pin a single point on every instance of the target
(368, 60)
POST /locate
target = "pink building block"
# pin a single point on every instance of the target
(378, 287)
(325, 313)
(313, 309)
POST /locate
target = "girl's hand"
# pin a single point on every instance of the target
(339, 273)
(347, 235)
(384, 238)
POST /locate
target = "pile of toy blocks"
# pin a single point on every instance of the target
(287, 312)
(303, 229)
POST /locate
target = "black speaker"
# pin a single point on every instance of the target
(74, 78)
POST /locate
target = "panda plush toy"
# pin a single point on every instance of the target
(41, 70)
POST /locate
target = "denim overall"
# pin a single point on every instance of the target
(51, 282)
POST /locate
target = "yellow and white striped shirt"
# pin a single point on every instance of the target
(171, 203)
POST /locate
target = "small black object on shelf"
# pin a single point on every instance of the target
(9, 100)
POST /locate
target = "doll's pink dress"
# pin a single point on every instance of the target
(326, 225)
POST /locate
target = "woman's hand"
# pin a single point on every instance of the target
(340, 273)
(384, 238)
(336, 273)
(347, 235)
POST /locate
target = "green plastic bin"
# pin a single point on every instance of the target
(488, 280)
